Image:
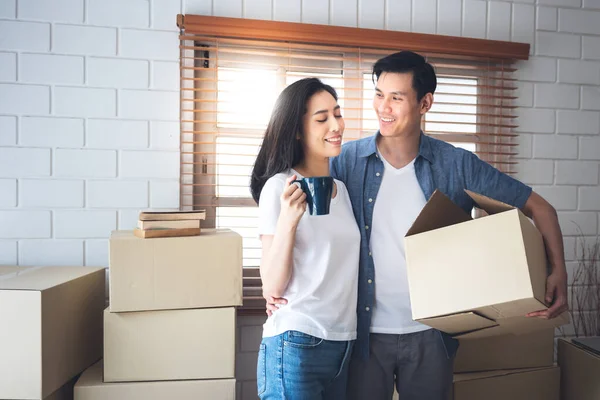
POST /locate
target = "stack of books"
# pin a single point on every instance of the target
(154, 224)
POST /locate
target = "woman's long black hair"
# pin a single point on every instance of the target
(281, 149)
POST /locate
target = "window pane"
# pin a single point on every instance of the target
(235, 158)
(245, 97)
(243, 220)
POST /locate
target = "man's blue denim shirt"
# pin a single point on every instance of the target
(438, 165)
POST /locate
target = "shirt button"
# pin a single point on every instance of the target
(367, 227)
(377, 174)
(370, 200)
(367, 308)
(370, 281)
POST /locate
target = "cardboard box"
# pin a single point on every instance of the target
(91, 387)
(580, 372)
(529, 350)
(517, 384)
(50, 327)
(169, 345)
(476, 278)
(65, 392)
(175, 273)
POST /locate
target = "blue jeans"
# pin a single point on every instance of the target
(297, 366)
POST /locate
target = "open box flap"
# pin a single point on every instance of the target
(488, 204)
(459, 323)
(469, 376)
(439, 212)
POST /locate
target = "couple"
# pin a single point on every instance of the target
(340, 321)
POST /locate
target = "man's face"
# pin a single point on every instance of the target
(395, 103)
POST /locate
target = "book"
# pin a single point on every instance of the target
(160, 233)
(176, 224)
(171, 215)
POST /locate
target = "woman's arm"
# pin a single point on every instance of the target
(277, 250)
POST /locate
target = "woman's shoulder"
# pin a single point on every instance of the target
(276, 183)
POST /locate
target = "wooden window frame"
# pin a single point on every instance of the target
(311, 34)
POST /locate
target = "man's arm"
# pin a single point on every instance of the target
(482, 178)
(546, 220)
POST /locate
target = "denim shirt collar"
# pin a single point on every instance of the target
(369, 147)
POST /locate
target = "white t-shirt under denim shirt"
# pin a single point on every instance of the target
(323, 289)
(399, 202)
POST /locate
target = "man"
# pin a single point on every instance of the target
(389, 177)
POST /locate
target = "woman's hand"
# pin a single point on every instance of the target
(293, 203)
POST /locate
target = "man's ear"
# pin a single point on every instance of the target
(426, 103)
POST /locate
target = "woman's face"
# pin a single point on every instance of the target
(323, 126)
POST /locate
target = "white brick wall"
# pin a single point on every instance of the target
(547, 18)
(85, 163)
(50, 193)
(8, 252)
(8, 72)
(96, 253)
(89, 105)
(24, 162)
(21, 224)
(577, 172)
(8, 130)
(117, 194)
(116, 134)
(549, 95)
(260, 9)
(580, 122)
(8, 9)
(589, 148)
(74, 39)
(47, 68)
(75, 224)
(8, 193)
(575, 71)
(164, 194)
(51, 252)
(85, 102)
(24, 99)
(51, 132)
(131, 74)
(24, 36)
(555, 147)
(313, 11)
(55, 10)
(370, 14)
(130, 13)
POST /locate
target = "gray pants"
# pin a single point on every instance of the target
(416, 363)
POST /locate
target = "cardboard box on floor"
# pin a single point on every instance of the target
(91, 387)
(50, 327)
(476, 278)
(580, 372)
(65, 392)
(517, 384)
(175, 273)
(169, 345)
(529, 350)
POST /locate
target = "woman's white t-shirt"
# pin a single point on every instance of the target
(323, 289)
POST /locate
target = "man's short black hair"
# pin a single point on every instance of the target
(424, 79)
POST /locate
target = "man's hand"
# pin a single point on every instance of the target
(556, 296)
(272, 303)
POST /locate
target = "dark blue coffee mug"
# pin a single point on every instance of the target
(319, 190)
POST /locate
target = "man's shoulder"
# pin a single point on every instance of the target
(445, 152)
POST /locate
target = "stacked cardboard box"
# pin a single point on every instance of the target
(476, 280)
(50, 329)
(579, 361)
(170, 327)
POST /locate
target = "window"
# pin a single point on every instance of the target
(230, 83)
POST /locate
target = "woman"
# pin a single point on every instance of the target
(312, 261)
